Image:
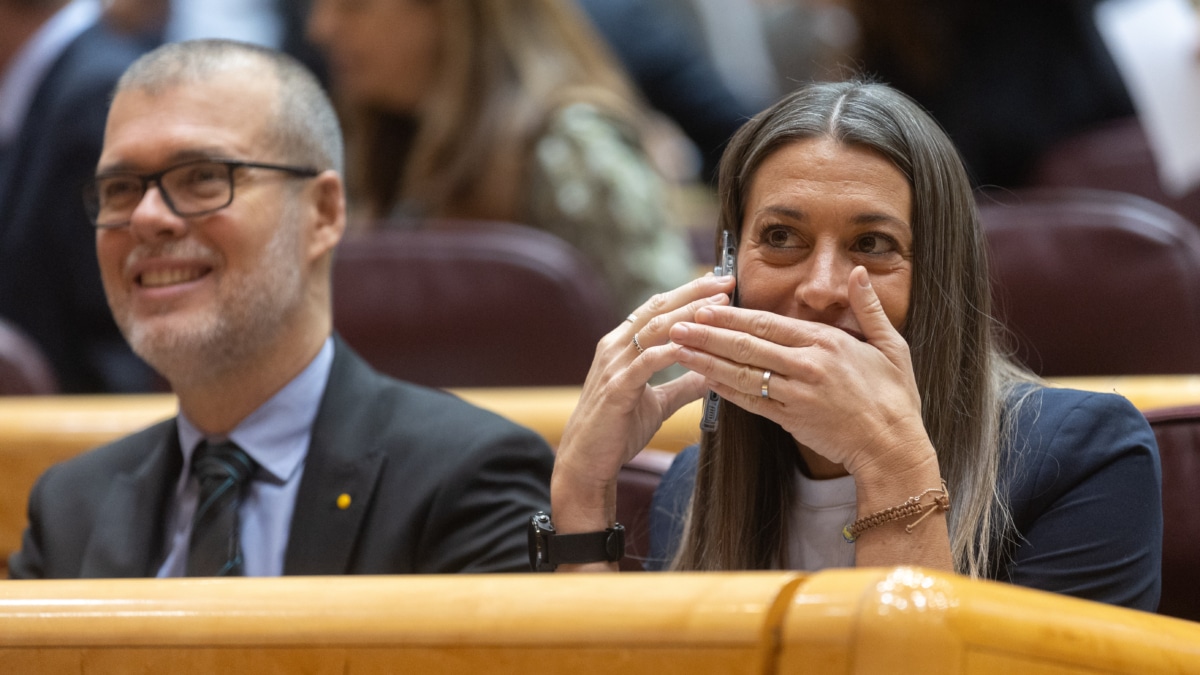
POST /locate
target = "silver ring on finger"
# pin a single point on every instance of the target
(632, 318)
(766, 384)
(637, 345)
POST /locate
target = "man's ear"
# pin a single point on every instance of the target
(328, 204)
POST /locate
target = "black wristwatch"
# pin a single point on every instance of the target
(548, 549)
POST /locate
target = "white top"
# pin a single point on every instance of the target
(822, 508)
(20, 81)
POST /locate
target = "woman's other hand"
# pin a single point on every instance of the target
(618, 410)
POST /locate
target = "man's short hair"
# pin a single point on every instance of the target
(306, 126)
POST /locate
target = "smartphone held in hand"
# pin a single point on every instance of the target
(726, 266)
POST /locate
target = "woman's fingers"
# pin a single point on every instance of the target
(669, 302)
(742, 336)
(650, 322)
(876, 326)
(728, 377)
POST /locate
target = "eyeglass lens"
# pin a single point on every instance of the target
(188, 189)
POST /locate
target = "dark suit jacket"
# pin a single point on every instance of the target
(49, 279)
(1083, 482)
(436, 485)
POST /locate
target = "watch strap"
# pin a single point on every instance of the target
(587, 547)
(548, 549)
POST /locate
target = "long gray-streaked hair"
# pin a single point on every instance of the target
(738, 518)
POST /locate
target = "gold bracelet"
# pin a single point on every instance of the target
(911, 507)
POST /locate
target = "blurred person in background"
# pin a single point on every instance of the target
(58, 64)
(1005, 79)
(507, 110)
(278, 24)
(664, 51)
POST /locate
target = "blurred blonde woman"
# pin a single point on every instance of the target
(501, 110)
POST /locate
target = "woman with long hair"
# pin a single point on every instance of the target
(508, 110)
(869, 416)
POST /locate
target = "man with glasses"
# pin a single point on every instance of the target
(218, 202)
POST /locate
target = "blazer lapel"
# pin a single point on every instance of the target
(134, 511)
(341, 473)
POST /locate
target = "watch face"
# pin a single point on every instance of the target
(539, 527)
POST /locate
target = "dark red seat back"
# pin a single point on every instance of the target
(1178, 433)
(635, 490)
(470, 304)
(1092, 282)
(1113, 156)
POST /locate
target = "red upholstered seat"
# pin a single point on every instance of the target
(635, 489)
(1113, 156)
(1178, 433)
(1092, 282)
(470, 304)
(24, 370)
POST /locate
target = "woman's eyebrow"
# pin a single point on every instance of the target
(868, 218)
(871, 218)
(785, 211)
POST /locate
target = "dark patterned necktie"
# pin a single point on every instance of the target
(223, 470)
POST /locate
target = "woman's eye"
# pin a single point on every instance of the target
(779, 237)
(874, 243)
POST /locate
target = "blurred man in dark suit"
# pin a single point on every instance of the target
(58, 64)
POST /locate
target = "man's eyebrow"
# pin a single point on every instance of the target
(179, 157)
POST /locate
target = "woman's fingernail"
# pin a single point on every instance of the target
(679, 331)
(719, 298)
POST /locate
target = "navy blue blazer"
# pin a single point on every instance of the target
(436, 486)
(49, 280)
(1084, 484)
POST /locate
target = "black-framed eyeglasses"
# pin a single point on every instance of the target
(192, 188)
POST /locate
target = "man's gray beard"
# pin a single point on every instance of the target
(237, 333)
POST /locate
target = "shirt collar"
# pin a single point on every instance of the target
(277, 434)
(28, 68)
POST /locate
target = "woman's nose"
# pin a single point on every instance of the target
(823, 286)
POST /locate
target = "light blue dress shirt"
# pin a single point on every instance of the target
(276, 436)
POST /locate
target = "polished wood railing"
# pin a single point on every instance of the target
(900, 620)
(36, 432)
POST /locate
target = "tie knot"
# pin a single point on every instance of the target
(221, 461)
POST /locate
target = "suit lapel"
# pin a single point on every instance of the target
(341, 472)
(134, 508)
